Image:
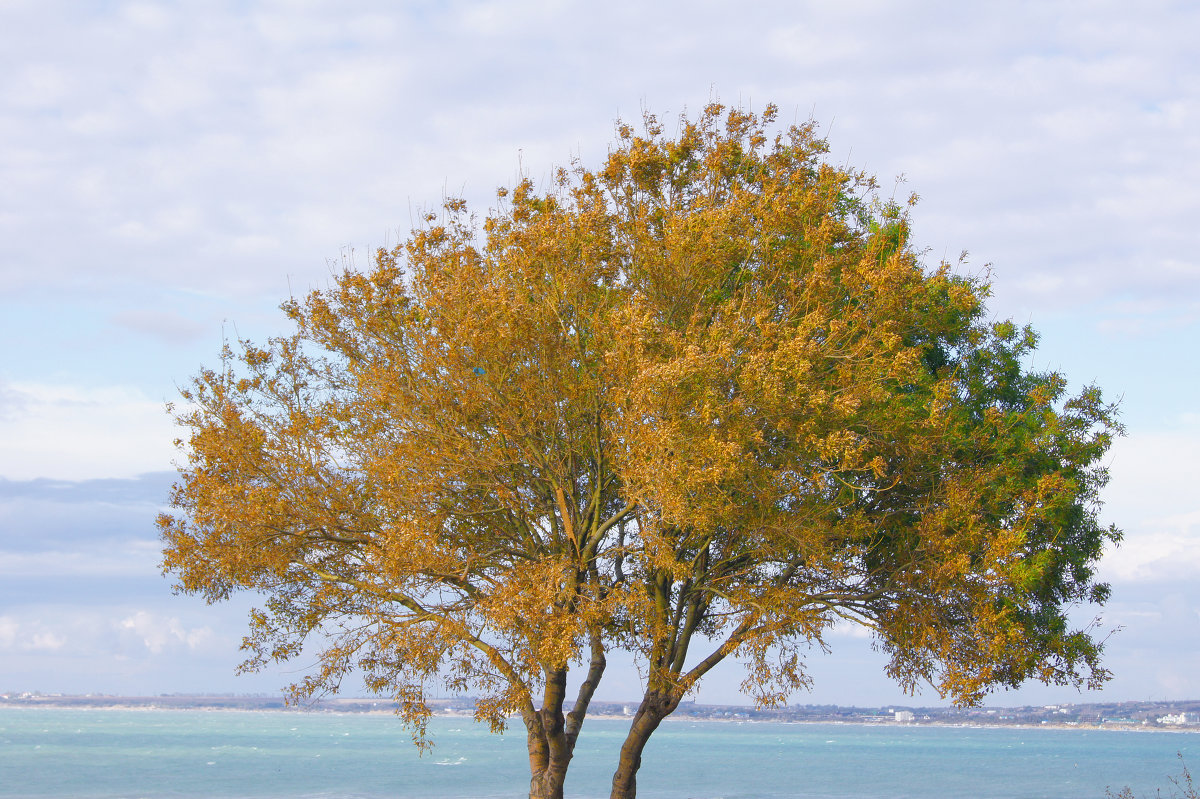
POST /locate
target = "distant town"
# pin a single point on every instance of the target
(1175, 715)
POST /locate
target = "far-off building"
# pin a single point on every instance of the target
(1180, 718)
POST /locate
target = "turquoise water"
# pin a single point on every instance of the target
(106, 754)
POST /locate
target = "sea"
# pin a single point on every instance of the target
(228, 754)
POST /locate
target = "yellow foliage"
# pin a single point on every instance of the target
(705, 394)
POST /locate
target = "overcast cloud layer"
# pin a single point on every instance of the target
(170, 171)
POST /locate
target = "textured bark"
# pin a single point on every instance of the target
(549, 752)
(548, 783)
(551, 734)
(654, 708)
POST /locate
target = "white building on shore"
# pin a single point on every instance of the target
(1180, 718)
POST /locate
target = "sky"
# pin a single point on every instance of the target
(170, 172)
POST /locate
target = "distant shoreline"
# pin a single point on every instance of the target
(1123, 717)
(673, 719)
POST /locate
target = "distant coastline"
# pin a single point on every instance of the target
(1173, 716)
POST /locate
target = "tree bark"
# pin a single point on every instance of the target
(548, 759)
(549, 754)
(548, 783)
(654, 708)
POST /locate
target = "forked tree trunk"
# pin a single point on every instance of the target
(549, 751)
(551, 734)
(654, 708)
(548, 759)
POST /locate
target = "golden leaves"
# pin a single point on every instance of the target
(706, 389)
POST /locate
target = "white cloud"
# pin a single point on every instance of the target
(46, 642)
(323, 113)
(175, 645)
(72, 432)
(1152, 472)
(159, 633)
(1167, 548)
(39, 86)
(8, 632)
(29, 636)
(107, 632)
(1151, 497)
(847, 629)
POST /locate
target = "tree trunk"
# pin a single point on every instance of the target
(654, 708)
(549, 750)
(548, 757)
(551, 735)
(548, 784)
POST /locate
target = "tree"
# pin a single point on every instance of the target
(705, 397)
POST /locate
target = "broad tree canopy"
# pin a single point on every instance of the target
(704, 400)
